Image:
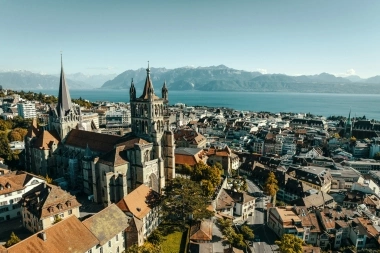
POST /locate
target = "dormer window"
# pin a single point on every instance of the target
(51, 209)
(68, 203)
(59, 206)
(8, 185)
(1, 187)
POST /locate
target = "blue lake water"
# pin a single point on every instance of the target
(325, 104)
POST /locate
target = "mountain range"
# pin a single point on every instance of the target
(26, 80)
(213, 78)
(222, 78)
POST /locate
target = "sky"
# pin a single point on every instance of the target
(293, 37)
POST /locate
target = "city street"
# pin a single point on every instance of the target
(264, 237)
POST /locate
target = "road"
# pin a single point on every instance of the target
(264, 237)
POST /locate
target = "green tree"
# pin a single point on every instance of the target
(147, 247)
(271, 186)
(377, 156)
(57, 219)
(48, 179)
(183, 198)
(224, 223)
(247, 232)
(187, 169)
(12, 240)
(5, 150)
(14, 136)
(290, 244)
(336, 136)
(155, 237)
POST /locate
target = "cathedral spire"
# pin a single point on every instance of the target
(64, 99)
(148, 87)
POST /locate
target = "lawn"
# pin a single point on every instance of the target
(174, 242)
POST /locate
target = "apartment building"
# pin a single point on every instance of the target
(27, 110)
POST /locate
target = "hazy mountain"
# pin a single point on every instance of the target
(92, 81)
(374, 79)
(222, 78)
(184, 78)
(26, 80)
(355, 78)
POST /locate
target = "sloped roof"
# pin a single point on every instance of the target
(96, 141)
(8, 184)
(189, 156)
(107, 223)
(139, 202)
(129, 140)
(44, 140)
(115, 157)
(68, 235)
(33, 130)
(148, 86)
(46, 200)
(64, 99)
(224, 200)
(201, 231)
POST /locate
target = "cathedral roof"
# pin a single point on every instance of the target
(114, 158)
(45, 139)
(96, 141)
(148, 87)
(64, 99)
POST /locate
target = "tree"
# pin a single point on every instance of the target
(290, 244)
(247, 232)
(336, 136)
(12, 240)
(224, 223)
(48, 179)
(57, 219)
(155, 237)
(5, 150)
(271, 186)
(377, 156)
(183, 198)
(14, 136)
(147, 247)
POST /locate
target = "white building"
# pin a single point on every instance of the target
(366, 186)
(26, 110)
(12, 187)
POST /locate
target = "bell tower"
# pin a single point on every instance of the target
(149, 118)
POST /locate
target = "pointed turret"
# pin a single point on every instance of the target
(64, 99)
(148, 87)
(87, 153)
(132, 91)
(164, 91)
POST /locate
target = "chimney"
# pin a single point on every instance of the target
(42, 235)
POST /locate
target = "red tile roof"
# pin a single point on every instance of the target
(139, 202)
(68, 235)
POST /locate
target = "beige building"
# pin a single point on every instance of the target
(45, 205)
(225, 157)
(318, 178)
(283, 220)
(108, 226)
(143, 211)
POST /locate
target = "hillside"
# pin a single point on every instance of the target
(222, 78)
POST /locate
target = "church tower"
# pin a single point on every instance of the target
(150, 121)
(64, 116)
(348, 127)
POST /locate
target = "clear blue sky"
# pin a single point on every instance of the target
(291, 37)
